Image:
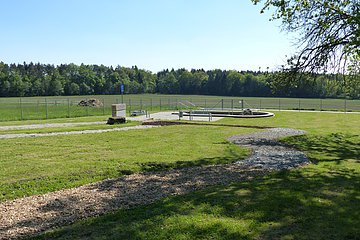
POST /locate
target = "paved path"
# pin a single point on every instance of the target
(35, 214)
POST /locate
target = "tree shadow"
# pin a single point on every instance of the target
(332, 147)
(230, 156)
(298, 204)
(124, 192)
(316, 202)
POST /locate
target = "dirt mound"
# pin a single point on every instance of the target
(93, 102)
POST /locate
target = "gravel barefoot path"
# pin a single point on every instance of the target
(29, 135)
(33, 215)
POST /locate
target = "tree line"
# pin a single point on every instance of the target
(29, 79)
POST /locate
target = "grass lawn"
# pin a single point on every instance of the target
(319, 201)
(37, 165)
(312, 122)
(26, 108)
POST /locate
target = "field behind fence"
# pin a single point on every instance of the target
(27, 108)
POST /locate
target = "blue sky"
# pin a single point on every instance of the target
(152, 34)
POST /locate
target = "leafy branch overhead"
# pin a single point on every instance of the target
(329, 33)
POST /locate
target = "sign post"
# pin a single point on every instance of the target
(122, 92)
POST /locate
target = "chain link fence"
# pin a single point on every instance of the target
(51, 107)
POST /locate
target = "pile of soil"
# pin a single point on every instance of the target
(92, 102)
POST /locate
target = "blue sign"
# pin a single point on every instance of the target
(122, 88)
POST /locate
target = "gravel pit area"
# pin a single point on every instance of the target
(32, 215)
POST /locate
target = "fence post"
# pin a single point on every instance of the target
(260, 104)
(160, 104)
(242, 105)
(150, 104)
(21, 110)
(103, 106)
(232, 104)
(169, 107)
(87, 109)
(345, 106)
(299, 105)
(222, 104)
(320, 104)
(68, 107)
(129, 107)
(205, 103)
(279, 105)
(46, 109)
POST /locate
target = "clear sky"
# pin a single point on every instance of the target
(152, 34)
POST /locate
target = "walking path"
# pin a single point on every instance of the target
(33, 215)
(48, 125)
(24, 135)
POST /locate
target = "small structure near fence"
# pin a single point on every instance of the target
(118, 114)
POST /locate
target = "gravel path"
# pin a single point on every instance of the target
(48, 125)
(35, 214)
(24, 135)
(268, 152)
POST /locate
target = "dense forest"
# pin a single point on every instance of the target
(29, 79)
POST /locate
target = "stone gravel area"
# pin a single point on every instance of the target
(268, 152)
(33, 215)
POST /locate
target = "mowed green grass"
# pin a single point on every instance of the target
(319, 201)
(28, 108)
(38, 165)
(312, 122)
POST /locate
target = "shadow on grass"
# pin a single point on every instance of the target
(301, 204)
(232, 154)
(332, 147)
(316, 202)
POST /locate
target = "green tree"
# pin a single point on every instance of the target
(329, 35)
(168, 84)
(235, 83)
(200, 79)
(74, 89)
(185, 81)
